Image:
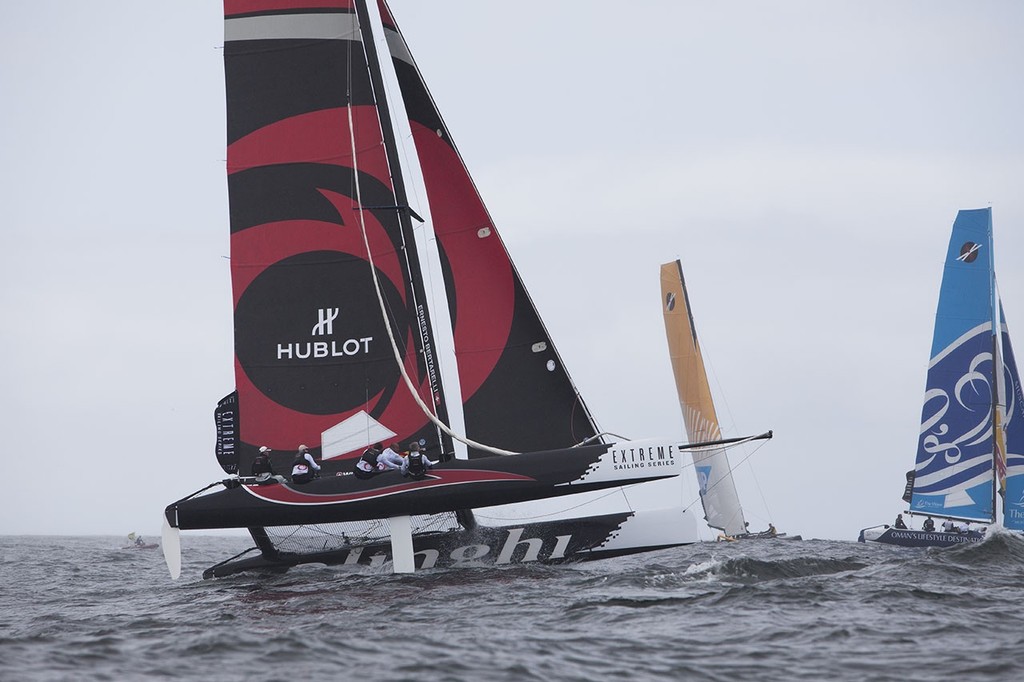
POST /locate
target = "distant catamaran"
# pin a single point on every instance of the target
(970, 455)
(718, 494)
(374, 301)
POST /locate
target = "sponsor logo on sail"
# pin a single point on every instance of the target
(325, 323)
(333, 348)
(703, 479)
(969, 252)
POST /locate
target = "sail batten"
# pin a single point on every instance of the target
(318, 26)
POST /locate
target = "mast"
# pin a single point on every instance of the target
(996, 421)
(404, 213)
(997, 372)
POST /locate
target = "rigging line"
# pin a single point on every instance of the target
(760, 491)
(387, 323)
(577, 403)
(732, 421)
(731, 466)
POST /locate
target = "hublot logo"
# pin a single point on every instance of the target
(325, 325)
(310, 342)
(324, 349)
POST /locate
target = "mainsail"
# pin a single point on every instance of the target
(970, 441)
(311, 166)
(718, 494)
(310, 183)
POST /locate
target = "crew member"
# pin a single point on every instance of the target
(390, 458)
(415, 464)
(367, 465)
(263, 468)
(304, 467)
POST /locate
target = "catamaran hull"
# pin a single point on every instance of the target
(766, 536)
(552, 542)
(450, 486)
(918, 538)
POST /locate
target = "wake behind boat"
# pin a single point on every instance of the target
(375, 303)
(970, 455)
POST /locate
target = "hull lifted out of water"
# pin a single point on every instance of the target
(388, 497)
(451, 485)
(581, 539)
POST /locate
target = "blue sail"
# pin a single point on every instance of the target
(1013, 501)
(954, 473)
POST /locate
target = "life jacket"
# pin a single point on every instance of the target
(416, 467)
(300, 466)
(261, 465)
(369, 461)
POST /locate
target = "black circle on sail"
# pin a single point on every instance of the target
(310, 336)
(969, 252)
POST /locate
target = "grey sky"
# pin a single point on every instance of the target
(804, 160)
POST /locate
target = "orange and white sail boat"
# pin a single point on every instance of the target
(718, 494)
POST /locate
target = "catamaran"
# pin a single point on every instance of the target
(717, 488)
(970, 454)
(374, 302)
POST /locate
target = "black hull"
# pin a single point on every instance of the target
(453, 485)
(919, 538)
(549, 542)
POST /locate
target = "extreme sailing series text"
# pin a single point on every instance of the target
(643, 457)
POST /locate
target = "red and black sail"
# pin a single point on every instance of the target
(516, 392)
(313, 171)
(307, 173)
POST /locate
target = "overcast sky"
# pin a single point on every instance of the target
(804, 160)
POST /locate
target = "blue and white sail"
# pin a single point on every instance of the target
(954, 474)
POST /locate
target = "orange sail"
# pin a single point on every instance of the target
(717, 490)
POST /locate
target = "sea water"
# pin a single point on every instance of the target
(83, 608)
